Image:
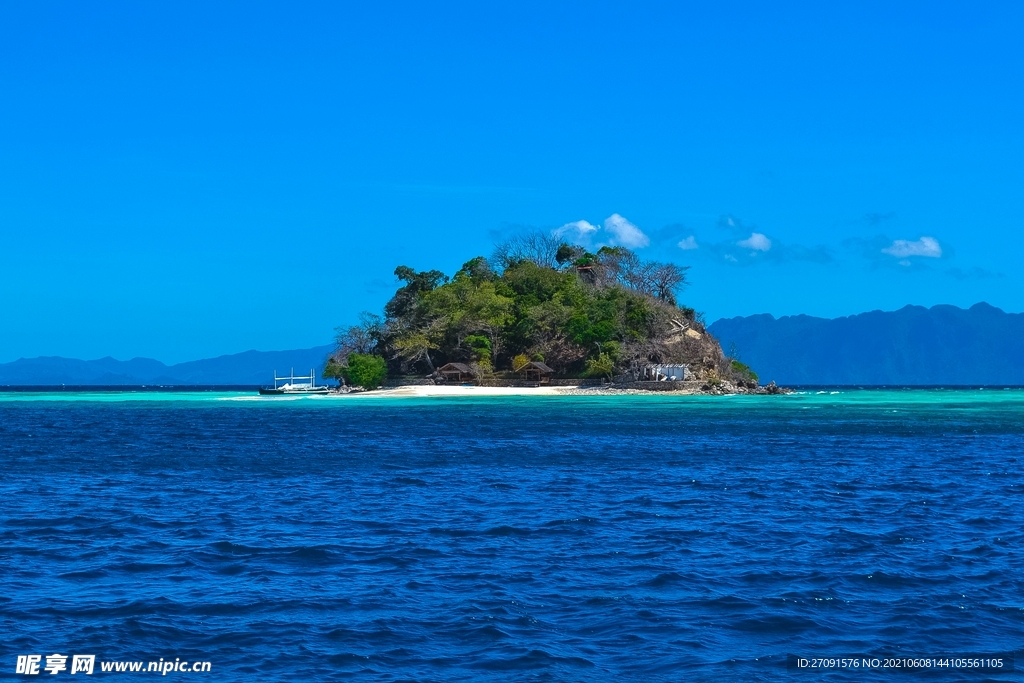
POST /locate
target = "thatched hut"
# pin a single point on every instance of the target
(456, 372)
(536, 371)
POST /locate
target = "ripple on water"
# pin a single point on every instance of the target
(588, 539)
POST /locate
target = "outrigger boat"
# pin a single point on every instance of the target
(302, 385)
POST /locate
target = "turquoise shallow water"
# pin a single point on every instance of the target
(522, 538)
(978, 398)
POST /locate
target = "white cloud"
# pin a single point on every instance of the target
(926, 246)
(578, 232)
(625, 233)
(756, 241)
(689, 243)
(616, 231)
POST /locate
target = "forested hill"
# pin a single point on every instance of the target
(582, 314)
(942, 345)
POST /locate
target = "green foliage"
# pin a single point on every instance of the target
(334, 370)
(405, 301)
(585, 260)
(530, 284)
(520, 362)
(480, 345)
(537, 299)
(602, 366)
(743, 371)
(476, 269)
(365, 370)
(567, 253)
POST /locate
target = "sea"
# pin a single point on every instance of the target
(531, 538)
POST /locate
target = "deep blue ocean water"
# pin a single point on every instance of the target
(509, 539)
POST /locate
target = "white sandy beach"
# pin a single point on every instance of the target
(429, 391)
(436, 391)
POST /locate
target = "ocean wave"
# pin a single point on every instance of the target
(503, 540)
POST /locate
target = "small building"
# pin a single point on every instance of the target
(536, 371)
(456, 372)
(664, 373)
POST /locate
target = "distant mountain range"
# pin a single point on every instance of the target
(942, 345)
(249, 368)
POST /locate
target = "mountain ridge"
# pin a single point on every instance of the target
(914, 345)
(246, 368)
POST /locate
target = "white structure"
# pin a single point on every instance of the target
(664, 373)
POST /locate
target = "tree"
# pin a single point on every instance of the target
(416, 345)
(403, 303)
(742, 371)
(568, 253)
(477, 269)
(366, 370)
(653, 278)
(618, 265)
(666, 280)
(335, 370)
(602, 366)
(537, 247)
(536, 296)
(361, 338)
(488, 312)
(480, 347)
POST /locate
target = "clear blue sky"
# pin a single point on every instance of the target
(181, 180)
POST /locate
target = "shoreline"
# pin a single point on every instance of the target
(439, 391)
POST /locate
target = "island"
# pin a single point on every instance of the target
(541, 312)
